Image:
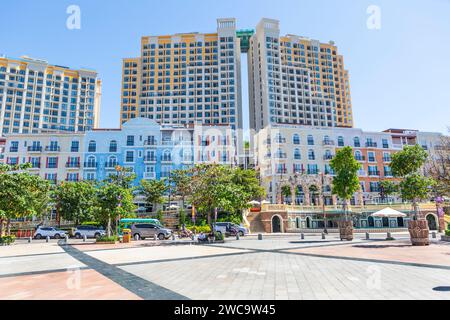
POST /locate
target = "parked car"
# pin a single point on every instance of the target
(148, 230)
(44, 232)
(89, 232)
(231, 228)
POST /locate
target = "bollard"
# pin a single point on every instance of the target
(84, 238)
(30, 239)
(237, 236)
(434, 235)
(260, 236)
(389, 236)
(136, 237)
(303, 236)
(173, 237)
(47, 239)
(193, 237)
(323, 236)
(66, 238)
(367, 236)
(154, 237)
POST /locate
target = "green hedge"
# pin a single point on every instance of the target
(200, 229)
(219, 236)
(447, 233)
(7, 240)
(112, 239)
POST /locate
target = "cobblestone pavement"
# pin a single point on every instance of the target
(278, 267)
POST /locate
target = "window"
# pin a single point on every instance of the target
(130, 141)
(129, 156)
(14, 146)
(91, 162)
(311, 155)
(313, 169)
(385, 144)
(90, 176)
(371, 156)
(310, 140)
(340, 141)
(52, 162)
(296, 139)
(112, 162)
(92, 146)
(357, 142)
(113, 146)
(297, 154)
(75, 146)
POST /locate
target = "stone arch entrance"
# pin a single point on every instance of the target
(277, 224)
(432, 222)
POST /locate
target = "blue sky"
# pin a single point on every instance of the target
(399, 75)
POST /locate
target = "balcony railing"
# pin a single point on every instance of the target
(72, 165)
(328, 157)
(53, 149)
(111, 165)
(149, 159)
(328, 143)
(35, 149)
(150, 143)
(387, 159)
(362, 158)
(280, 140)
(374, 173)
(313, 171)
(371, 144)
(149, 175)
(281, 155)
(91, 165)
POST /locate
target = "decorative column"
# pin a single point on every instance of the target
(307, 195)
(440, 214)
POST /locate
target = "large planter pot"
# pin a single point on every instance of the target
(346, 230)
(420, 233)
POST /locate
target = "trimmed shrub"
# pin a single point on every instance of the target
(106, 239)
(219, 236)
(447, 233)
(200, 229)
(7, 240)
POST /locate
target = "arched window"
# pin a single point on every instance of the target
(296, 139)
(297, 154)
(357, 142)
(311, 155)
(91, 161)
(310, 140)
(358, 155)
(167, 156)
(92, 146)
(340, 141)
(326, 140)
(112, 162)
(113, 146)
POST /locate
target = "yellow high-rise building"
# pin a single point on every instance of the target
(35, 96)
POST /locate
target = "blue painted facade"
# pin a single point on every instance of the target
(151, 150)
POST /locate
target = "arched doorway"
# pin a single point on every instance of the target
(276, 224)
(432, 224)
(400, 222)
(371, 222)
(308, 222)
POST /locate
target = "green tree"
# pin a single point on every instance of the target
(388, 188)
(153, 191)
(114, 202)
(407, 164)
(124, 177)
(182, 184)
(286, 191)
(22, 194)
(345, 181)
(75, 201)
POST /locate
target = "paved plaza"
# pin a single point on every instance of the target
(278, 267)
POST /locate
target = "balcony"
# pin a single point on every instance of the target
(90, 165)
(281, 171)
(371, 145)
(111, 165)
(387, 159)
(313, 171)
(328, 157)
(149, 159)
(328, 143)
(36, 149)
(73, 165)
(13, 149)
(362, 158)
(53, 149)
(281, 156)
(373, 173)
(150, 143)
(149, 175)
(166, 159)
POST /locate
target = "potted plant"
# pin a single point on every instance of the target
(414, 187)
(345, 184)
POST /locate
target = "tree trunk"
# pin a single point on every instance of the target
(344, 207)
(109, 227)
(1, 227)
(8, 227)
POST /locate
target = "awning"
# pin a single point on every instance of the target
(389, 213)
